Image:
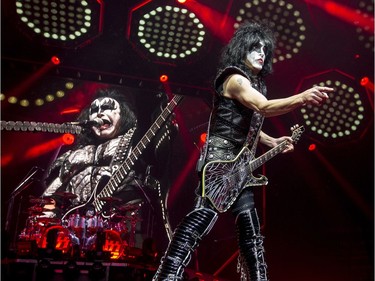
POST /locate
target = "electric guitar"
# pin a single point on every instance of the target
(222, 181)
(108, 188)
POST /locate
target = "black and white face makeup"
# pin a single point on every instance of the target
(109, 111)
(255, 57)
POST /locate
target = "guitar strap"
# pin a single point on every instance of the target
(254, 131)
(204, 149)
(256, 120)
(122, 150)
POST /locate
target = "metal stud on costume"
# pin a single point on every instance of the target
(185, 240)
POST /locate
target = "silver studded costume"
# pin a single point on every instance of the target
(79, 171)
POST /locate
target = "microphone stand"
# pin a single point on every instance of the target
(25, 183)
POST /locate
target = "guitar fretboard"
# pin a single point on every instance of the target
(124, 169)
(256, 163)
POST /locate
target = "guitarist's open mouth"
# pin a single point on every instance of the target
(106, 124)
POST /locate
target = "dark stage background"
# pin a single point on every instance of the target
(316, 211)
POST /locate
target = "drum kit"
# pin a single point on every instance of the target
(82, 235)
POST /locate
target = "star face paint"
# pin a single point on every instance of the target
(255, 57)
(108, 110)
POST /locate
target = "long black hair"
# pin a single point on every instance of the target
(127, 119)
(245, 38)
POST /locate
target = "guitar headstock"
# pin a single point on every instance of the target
(297, 131)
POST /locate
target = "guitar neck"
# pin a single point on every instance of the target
(124, 169)
(256, 163)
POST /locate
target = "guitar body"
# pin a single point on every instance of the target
(223, 181)
(92, 201)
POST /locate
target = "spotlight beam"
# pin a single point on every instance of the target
(44, 148)
(32, 79)
(346, 14)
(224, 30)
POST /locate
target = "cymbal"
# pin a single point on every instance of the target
(66, 195)
(110, 199)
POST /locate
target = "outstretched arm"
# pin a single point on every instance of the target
(238, 87)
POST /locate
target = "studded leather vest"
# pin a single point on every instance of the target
(231, 124)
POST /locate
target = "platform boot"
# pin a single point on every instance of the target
(252, 264)
(185, 240)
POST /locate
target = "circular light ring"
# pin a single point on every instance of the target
(171, 32)
(366, 10)
(56, 20)
(340, 116)
(283, 18)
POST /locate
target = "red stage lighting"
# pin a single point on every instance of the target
(203, 137)
(6, 159)
(347, 14)
(68, 139)
(55, 60)
(365, 82)
(163, 78)
(312, 147)
(48, 146)
(70, 111)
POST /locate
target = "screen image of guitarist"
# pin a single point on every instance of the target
(94, 190)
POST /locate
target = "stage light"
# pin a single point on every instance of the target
(312, 147)
(344, 116)
(55, 60)
(39, 102)
(68, 139)
(62, 23)
(163, 78)
(72, 110)
(69, 85)
(165, 33)
(60, 93)
(12, 100)
(49, 98)
(24, 103)
(365, 82)
(203, 137)
(285, 19)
